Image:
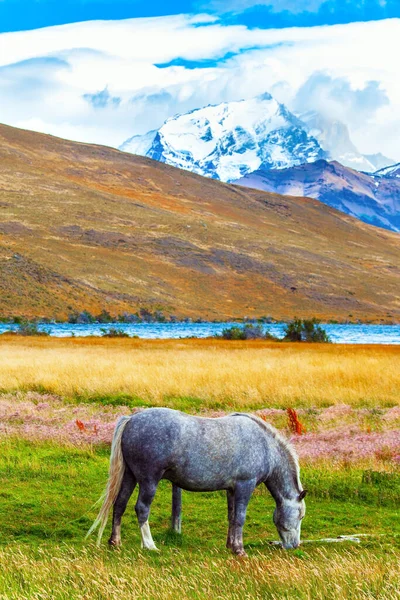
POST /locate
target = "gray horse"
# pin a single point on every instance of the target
(235, 453)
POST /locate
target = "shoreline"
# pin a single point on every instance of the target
(16, 320)
(209, 341)
(339, 334)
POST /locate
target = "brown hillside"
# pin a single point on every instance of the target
(85, 226)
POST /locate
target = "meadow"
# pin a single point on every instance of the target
(202, 374)
(59, 400)
(46, 502)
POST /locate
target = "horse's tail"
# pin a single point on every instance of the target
(115, 475)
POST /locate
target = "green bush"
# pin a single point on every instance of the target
(81, 317)
(247, 332)
(114, 332)
(104, 317)
(26, 327)
(305, 330)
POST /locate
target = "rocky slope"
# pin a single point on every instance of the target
(89, 227)
(389, 172)
(374, 199)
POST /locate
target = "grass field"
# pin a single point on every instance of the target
(52, 472)
(46, 498)
(202, 374)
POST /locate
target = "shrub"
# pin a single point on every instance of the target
(305, 330)
(113, 332)
(146, 315)
(232, 333)
(104, 317)
(26, 327)
(126, 317)
(293, 330)
(84, 317)
(159, 316)
(247, 332)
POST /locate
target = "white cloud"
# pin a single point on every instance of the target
(97, 81)
(334, 97)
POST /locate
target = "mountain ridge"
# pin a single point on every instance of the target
(374, 199)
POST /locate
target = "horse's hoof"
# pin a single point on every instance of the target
(114, 543)
(152, 548)
(240, 552)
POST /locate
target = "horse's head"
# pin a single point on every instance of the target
(287, 518)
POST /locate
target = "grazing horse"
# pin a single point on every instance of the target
(235, 453)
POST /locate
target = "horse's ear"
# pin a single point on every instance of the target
(302, 495)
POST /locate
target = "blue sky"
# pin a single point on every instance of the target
(16, 15)
(121, 68)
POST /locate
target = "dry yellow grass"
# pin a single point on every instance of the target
(204, 373)
(324, 574)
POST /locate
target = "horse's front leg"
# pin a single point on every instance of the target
(176, 519)
(242, 495)
(147, 491)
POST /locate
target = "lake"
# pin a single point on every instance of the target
(340, 333)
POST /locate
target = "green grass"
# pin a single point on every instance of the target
(46, 497)
(47, 493)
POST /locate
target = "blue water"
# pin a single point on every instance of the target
(341, 334)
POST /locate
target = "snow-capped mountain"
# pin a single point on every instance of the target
(391, 172)
(139, 144)
(229, 140)
(374, 199)
(259, 143)
(334, 138)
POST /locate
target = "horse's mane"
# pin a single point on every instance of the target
(281, 440)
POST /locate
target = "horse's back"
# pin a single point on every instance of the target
(151, 432)
(193, 452)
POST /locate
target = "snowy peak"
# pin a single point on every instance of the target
(229, 140)
(139, 144)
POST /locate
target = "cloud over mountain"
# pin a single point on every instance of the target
(336, 98)
(103, 81)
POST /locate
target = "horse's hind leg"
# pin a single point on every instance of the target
(147, 490)
(176, 520)
(231, 515)
(127, 486)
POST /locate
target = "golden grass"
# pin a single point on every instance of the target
(321, 574)
(204, 373)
